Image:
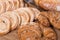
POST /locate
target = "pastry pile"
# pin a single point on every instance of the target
(36, 31)
(48, 4)
(12, 19)
(23, 19)
(32, 24)
(9, 5)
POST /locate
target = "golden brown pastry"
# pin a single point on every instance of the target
(45, 13)
(43, 20)
(25, 32)
(29, 32)
(49, 4)
(48, 33)
(54, 18)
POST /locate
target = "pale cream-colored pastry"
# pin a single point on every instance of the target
(13, 19)
(21, 3)
(8, 5)
(24, 16)
(30, 12)
(16, 12)
(15, 3)
(4, 25)
(2, 6)
(36, 12)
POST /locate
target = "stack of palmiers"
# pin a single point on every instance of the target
(32, 24)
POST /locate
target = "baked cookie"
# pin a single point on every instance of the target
(21, 3)
(24, 16)
(13, 19)
(30, 12)
(54, 18)
(48, 33)
(16, 12)
(49, 4)
(29, 32)
(16, 4)
(8, 5)
(36, 12)
(43, 20)
(2, 6)
(4, 25)
(44, 13)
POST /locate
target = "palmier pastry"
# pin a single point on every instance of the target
(36, 12)
(44, 13)
(2, 6)
(54, 18)
(16, 12)
(16, 4)
(21, 3)
(49, 4)
(4, 25)
(48, 33)
(29, 32)
(13, 19)
(24, 16)
(30, 12)
(9, 5)
(43, 20)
